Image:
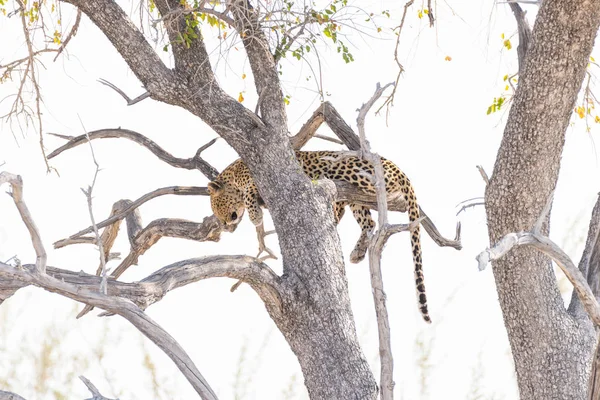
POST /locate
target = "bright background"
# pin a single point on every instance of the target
(437, 133)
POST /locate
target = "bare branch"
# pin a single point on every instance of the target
(178, 190)
(95, 392)
(390, 99)
(546, 246)
(129, 101)
(483, 174)
(156, 286)
(120, 306)
(326, 113)
(99, 243)
(70, 35)
(195, 162)
(376, 244)
(10, 396)
(17, 194)
(524, 33)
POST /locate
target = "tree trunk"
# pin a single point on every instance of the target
(551, 348)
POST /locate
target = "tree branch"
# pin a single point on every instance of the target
(95, 392)
(132, 205)
(129, 101)
(191, 57)
(262, 63)
(546, 246)
(155, 287)
(117, 305)
(524, 33)
(9, 396)
(17, 194)
(195, 162)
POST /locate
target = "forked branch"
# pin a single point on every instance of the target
(535, 239)
(195, 162)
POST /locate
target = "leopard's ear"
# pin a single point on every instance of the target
(214, 187)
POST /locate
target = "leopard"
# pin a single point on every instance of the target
(233, 191)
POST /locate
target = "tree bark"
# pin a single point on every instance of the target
(551, 348)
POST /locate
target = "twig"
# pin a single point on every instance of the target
(70, 35)
(430, 14)
(129, 101)
(17, 194)
(88, 194)
(329, 139)
(483, 174)
(95, 392)
(390, 99)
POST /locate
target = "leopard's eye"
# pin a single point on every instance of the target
(234, 216)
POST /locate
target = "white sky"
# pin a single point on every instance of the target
(437, 133)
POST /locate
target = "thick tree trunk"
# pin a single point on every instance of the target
(552, 349)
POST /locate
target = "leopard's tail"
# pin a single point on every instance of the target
(415, 240)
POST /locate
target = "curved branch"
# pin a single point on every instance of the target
(195, 162)
(156, 286)
(125, 308)
(546, 246)
(132, 205)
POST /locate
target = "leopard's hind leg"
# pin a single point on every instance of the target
(363, 216)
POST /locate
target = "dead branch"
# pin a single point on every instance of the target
(130, 206)
(483, 174)
(155, 287)
(70, 35)
(100, 243)
(524, 33)
(9, 396)
(120, 306)
(326, 112)
(95, 392)
(195, 162)
(129, 101)
(17, 194)
(386, 384)
(542, 243)
(36, 275)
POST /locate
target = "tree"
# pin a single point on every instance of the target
(552, 346)
(309, 302)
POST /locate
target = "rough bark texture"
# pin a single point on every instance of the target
(317, 320)
(552, 349)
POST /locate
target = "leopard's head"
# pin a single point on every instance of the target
(227, 202)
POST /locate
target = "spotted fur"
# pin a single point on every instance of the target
(234, 190)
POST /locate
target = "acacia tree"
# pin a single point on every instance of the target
(553, 348)
(309, 303)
